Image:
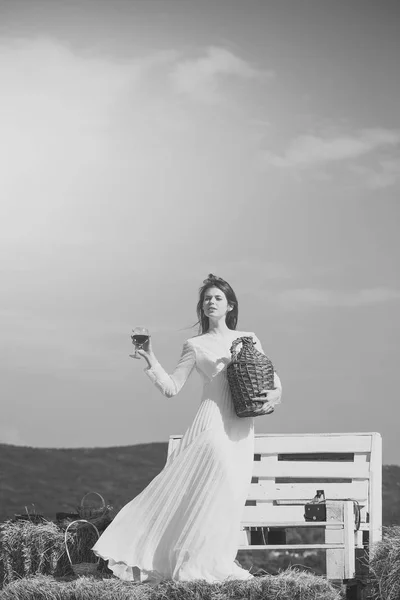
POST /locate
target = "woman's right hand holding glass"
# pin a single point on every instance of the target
(146, 351)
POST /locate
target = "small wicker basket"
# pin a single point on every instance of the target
(249, 373)
(97, 515)
(83, 568)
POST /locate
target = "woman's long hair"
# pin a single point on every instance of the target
(232, 315)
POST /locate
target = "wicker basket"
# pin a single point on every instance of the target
(97, 515)
(83, 568)
(63, 519)
(249, 373)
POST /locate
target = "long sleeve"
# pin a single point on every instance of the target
(170, 385)
(277, 381)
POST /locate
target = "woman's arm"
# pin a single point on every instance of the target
(170, 385)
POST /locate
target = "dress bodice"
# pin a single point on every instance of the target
(213, 353)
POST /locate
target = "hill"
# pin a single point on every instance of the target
(56, 479)
(391, 494)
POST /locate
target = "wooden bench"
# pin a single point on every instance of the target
(289, 469)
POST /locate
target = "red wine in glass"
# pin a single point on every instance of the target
(139, 340)
(139, 337)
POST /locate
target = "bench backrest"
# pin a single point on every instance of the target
(289, 468)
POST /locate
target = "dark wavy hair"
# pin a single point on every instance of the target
(232, 315)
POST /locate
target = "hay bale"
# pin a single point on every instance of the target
(288, 585)
(28, 549)
(385, 565)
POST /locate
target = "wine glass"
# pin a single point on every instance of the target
(139, 337)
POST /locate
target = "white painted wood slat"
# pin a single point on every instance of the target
(375, 490)
(318, 443)
(285, 547)
(349, 554)
(334, 558)
(305, 524)
(269, 512)
(273, 468)
(357, 490)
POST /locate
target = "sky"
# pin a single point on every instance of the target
(145, 144)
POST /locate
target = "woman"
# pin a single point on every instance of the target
(185, 524)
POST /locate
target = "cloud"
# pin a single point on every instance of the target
(385, 174)
(200, 78)
(311, 298)
(313, 150)
(57, 104)
(55, 117)
(80, 129)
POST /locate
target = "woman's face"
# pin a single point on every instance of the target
(215, 304)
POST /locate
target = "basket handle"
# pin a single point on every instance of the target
(235, 343)
(65, 536)
(97, 494)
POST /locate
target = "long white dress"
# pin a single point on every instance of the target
(185, 524)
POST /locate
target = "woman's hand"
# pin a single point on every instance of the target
(147, 352)
(270, 398)
(273, 396)
(267, 408)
